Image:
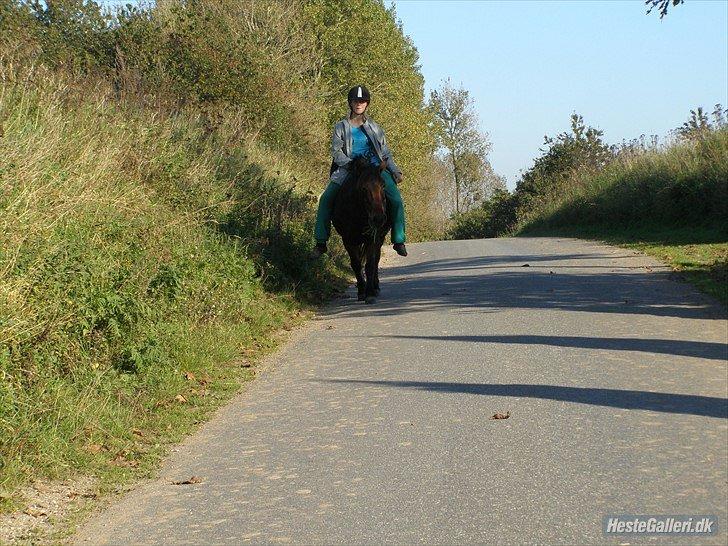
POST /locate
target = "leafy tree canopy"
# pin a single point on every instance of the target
(582, 147)
(661, 5)
(699, 124)
(464, 146)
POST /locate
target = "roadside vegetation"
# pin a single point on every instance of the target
(668, 200)
(159, 172)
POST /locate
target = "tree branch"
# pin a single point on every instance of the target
(661, 5)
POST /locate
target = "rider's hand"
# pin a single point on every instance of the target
(399, 178)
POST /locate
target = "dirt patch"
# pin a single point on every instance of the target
(45, 505)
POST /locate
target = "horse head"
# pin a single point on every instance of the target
(371, 186)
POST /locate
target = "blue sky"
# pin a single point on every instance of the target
(529, 64)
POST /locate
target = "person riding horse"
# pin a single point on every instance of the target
(359, 136)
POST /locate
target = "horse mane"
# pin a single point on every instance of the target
(351, 202)
(362, 167)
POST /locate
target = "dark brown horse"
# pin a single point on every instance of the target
(360, 217)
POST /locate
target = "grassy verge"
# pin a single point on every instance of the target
(699, 254)
(667, 202)
(146, 261)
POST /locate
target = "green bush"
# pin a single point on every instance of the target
(683, 185)
(121, 268)
(494, 218)
(157, 191)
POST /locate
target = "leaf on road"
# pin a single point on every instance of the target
(190, 481)
(505, 415)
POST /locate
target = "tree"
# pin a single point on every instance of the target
(464, 147)
(73, 33)
(580, 149)
(699, 124)
(661, 5)
(362, 43)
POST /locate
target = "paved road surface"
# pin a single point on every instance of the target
(372, 426)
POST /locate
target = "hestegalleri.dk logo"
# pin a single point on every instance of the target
(660, 525)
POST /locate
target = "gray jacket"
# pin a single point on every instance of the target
(341, 146)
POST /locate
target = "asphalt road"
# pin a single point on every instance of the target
(372, 425)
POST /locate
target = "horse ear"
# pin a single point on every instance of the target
(383, 166)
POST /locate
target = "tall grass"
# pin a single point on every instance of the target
(671, 203)
(137, 251)
(685, 184)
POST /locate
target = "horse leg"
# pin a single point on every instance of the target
(357, 266)
(371, 271)
(379, 258)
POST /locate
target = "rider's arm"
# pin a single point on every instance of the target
(337, 146)
(391, 165)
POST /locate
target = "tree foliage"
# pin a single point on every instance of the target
(578, 180)
(582, 148)
(219, 56)
(276, 72)
(67, 33)
(661, 5)
(464, 147)
(699, 124)
(494, 217)
(579, 150)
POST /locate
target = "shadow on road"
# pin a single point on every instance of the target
(698, 349)
(706, 406)
(492, 284)
(513, 260)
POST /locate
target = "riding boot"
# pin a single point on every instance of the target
(322, 231)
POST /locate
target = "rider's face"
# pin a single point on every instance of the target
(358, 106)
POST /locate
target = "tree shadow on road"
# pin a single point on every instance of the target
(481, 285)
(706, 406)
(698, 349)
(512, 260)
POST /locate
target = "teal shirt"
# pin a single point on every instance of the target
(361, 145)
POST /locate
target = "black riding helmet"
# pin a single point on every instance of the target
(359, 92)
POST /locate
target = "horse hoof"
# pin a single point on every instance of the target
(370, 299)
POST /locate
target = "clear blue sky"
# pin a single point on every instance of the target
(529, 64)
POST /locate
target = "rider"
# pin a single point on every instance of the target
(354, 136)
